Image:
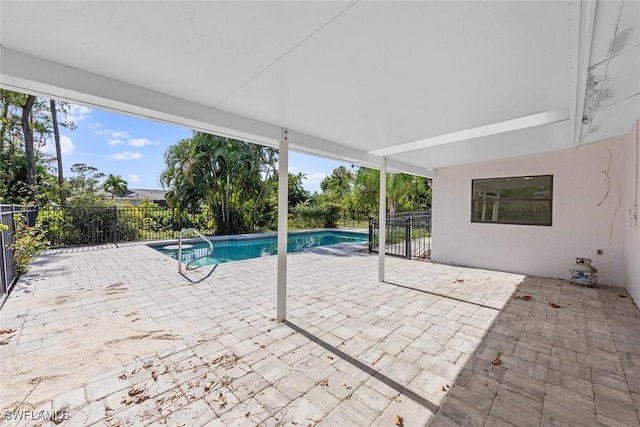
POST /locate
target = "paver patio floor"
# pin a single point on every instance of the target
(115, 336)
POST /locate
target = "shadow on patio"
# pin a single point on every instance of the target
(117, 336)
(557, 354)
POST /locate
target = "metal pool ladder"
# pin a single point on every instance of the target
(180, 248)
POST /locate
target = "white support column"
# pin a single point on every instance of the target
(283, 208)
(382, 220)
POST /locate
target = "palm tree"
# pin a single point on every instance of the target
(115, 184)
(220, 173)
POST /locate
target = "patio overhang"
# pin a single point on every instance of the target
(425, 84)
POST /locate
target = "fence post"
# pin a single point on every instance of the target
(115, 224)
(4, 285)
(370, 233)
(407, 237)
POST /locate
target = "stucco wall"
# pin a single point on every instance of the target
(632, 232)
(579, 229)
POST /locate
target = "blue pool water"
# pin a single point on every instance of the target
(239, 249)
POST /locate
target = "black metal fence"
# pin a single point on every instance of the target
(353, 218)
(407, 235)
(92, 225)
(8, 274)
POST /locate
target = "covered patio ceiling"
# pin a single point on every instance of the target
(422, 84)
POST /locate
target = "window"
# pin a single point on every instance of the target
(523, 200)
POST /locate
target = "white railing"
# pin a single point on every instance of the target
(180, 248)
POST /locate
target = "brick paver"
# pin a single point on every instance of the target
(116, 336)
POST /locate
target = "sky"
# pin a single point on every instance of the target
(134, 148)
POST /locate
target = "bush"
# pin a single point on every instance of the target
(316, 216)
(28, 242)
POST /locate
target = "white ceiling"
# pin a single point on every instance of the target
(412, 81)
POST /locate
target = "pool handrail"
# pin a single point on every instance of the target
(209, 242)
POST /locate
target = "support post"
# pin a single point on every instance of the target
(382, 221)
(283, 209)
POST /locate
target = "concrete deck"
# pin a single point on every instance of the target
(114, 336)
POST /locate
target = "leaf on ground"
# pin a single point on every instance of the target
(222, 400)
(226, 360)
(398, 421)
(208, 386)
(6, 331)
(524, 297)
(140, 398)
(324, 382)
(497, 361)
(154, 375)
(126, 401)
(135, 391)
(554, 305)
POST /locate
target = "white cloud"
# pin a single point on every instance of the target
(141, 142)
(125, 155)
(66, 146)
(78, 113)
(114, 142)
(110, 133)
(133, 178)
(315, 177)
(116, 133)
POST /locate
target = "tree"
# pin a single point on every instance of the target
(223, 174)
(404, 192)
(338, 184)
(87, 178)
(56, 134)
(28, 143)
(25, 172)
(297, 193)
(115, 184)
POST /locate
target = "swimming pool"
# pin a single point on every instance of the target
(236, 249)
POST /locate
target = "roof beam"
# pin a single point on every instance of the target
(318, 147)
(38, 76)
(29, 74)
(525, 122)
(579, 76)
